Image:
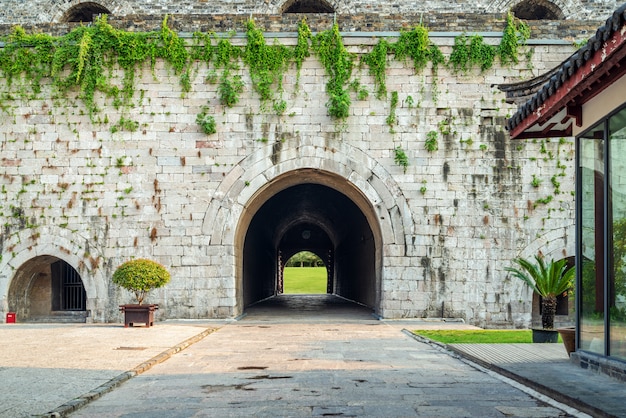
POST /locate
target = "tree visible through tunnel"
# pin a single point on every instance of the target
(305, 273)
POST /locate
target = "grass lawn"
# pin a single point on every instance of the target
(490, 336)
(305, 280)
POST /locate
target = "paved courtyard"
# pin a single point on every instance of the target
(340, 363)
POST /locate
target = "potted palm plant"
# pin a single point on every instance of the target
(140, 276)
(548, 280)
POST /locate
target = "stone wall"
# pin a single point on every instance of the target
(47, 11)
(95, 193)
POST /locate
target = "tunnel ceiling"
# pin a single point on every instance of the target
(326, 213)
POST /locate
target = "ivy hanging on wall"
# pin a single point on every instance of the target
(338, 63)
(470, 52)
(80, 59)
(84, 59)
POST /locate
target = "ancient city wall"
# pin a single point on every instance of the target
(48, 11)
(140, 178)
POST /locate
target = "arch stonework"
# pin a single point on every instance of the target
(57, 10)
(554, 245)
(62, 244)
(571, 9)
(277, 6)
(367, 184)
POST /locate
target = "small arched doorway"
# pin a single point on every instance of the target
(318, 212)
(47, 289)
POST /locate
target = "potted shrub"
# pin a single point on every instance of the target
(140, 276)
(548, 280)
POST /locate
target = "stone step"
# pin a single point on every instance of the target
(64, 317)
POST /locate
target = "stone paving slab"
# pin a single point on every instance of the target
(324, 359)
(42, 366)
(369, 368)
(547, 369)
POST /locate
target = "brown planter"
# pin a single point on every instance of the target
(568, 335)
(139, 314)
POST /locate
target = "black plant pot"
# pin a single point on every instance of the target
(541, 335)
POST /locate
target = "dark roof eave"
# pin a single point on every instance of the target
(572, 83)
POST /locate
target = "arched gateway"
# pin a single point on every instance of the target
(330, 199)
(315, 211)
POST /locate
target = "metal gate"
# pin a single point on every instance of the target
(71, 295)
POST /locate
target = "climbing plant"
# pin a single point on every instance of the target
(414, 44)
(392, 118)
(84, 59)
(515, 34)
(302, 49)
(81, 58)
(469, 52)
(338, 63)
(376, 61)
(267, 63)
(401, 158)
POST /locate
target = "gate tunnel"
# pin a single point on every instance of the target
(314, 217)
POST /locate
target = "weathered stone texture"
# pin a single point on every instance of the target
(45, 11)
(451, 222)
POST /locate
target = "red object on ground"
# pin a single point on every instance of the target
(10, 317)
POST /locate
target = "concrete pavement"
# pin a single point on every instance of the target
(280, 360)
(43, 366)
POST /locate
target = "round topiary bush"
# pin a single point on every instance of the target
(141, 276)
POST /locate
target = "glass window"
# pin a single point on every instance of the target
(617, 208)
(591, 190)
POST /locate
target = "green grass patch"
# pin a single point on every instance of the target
(490, 336)
(305, 280)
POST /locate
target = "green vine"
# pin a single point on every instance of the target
(401, 158)
(229, 89)
(302, 50)
(415, 45)
(376, 60)
(338, 63)
(206, 121)
(392, 119)
(515, 35)
(85, 59)
(267, 64)
(469, 52)
(79, 59)
(431, 143)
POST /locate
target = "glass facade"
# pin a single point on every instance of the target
(601, 229)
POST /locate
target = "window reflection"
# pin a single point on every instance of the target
(591, 172)
(617, 202)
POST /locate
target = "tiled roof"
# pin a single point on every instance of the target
(565, 71)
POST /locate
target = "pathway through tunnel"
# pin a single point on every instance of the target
(308, 308)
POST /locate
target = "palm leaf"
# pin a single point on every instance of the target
(548, 280)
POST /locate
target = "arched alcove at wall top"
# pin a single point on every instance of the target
(84, 12)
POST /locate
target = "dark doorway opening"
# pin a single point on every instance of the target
(48, 289)
(317, 218)
(537, 10)
(85, 12)
(307, 6)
